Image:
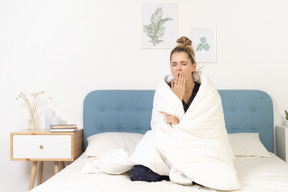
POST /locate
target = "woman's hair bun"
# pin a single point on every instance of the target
(185, 45)
(184, 41)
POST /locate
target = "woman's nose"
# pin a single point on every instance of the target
(178, 68)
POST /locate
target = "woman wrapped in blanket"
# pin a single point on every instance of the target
(188, 129)
(182, 65)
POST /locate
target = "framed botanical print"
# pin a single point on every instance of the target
(159, 26)
(204, 44)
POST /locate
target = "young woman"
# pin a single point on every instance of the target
(183, 66)
(188, 142)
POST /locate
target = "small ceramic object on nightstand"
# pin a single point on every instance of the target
(48, 114)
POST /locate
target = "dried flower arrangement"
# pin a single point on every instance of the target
(32, 105)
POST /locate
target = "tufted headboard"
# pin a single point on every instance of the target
(130, 111)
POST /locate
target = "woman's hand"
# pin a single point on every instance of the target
(178, 87)
(170, 119)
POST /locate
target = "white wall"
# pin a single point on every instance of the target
(69, 48)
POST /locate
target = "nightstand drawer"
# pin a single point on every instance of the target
(42, 146)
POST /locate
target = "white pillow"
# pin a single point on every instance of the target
(101, 143)
(247, 145)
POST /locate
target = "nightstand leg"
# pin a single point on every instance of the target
(56, 167)
(33, 173)
(40, 172)
(62, 165)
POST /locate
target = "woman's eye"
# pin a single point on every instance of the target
(184, 64)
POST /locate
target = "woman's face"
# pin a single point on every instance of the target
(181, 64)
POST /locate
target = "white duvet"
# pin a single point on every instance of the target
(256, 174)
(195, 150)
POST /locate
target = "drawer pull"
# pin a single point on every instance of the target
(41, 147)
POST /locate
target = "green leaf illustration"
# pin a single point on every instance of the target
(199, 47)
(203, 40)
(203, 45)
(155, 30)
(206, 46)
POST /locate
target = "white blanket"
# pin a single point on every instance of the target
(195, 150)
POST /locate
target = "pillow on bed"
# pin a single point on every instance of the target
(101, 143)
(247, 145)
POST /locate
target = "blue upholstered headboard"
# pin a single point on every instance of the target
(130, 111)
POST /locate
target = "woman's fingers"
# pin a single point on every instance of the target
(164, 113)
(170, 119)
(177, 80)
(180, 80)
(178, 87)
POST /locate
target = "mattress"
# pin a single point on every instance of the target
(256, 174)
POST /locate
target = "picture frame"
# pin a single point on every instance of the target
(204, 44)
(159, 25)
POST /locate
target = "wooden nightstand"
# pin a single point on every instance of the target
(282, 142)
(41, 145)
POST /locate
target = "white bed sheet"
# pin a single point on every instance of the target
(255, 175)
(262, 174)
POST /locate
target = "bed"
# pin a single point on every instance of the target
(111, 118)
